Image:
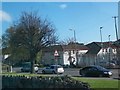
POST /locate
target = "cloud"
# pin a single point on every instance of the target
(63, 6)
(4, 16)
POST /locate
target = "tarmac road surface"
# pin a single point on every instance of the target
(74, 71)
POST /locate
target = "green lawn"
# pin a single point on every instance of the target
(100, 83)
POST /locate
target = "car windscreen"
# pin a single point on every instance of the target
(102, 68)
(26, 65)
(59, 67)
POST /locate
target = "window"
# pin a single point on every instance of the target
(114, 50)
(102, 50)
(106, 50)
(52, 67)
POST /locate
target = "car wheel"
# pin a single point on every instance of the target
(43, 72)
(53, 72)
(83, 74)
(100, 75)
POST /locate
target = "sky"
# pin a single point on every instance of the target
(85, 18)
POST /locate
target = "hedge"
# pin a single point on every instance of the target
(42, 82)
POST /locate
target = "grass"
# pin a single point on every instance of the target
(100, 83)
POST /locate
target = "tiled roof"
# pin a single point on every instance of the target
(53, 48)
(95, 47)
(71, 46)
(106, 44)
(117, 43)
(75, 46)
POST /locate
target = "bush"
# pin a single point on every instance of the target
(42, 82)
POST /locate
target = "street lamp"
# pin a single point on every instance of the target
(74, 34)
(101, 34)
(76, 54)
(109, 38)
(109, 49)
(101, 42)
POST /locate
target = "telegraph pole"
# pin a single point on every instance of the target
(116, 26)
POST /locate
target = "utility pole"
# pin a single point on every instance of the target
(115, 17)
(116, 26)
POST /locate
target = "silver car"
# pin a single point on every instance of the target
(53, 69)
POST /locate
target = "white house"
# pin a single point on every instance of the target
(72, 52)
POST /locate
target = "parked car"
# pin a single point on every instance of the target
(107, 64)
(95, 71)
(54, 69)
(26, 67)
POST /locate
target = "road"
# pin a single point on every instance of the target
(73, 71)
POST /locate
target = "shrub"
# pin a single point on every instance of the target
(42, 82)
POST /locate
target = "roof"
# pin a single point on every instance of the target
(75, 46)
(53, 48)
(70, 46)
(106, 44)
(94, 48)
(117, 43)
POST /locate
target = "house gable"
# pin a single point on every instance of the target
(93, 48)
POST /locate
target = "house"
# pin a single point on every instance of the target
(48, 57)
(68, 54)
(117, 44)
(100, 52)
(73, 52)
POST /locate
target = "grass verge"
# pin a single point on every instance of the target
(100, 83)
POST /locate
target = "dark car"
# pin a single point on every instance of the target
(95, 71)
(26, 67)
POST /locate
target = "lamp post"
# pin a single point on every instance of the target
(74, 34)
(101, 41)
(101, 34)
(76, 54)
(109, 49)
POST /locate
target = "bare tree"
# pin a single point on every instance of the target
(66, 41)
(28, 36)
